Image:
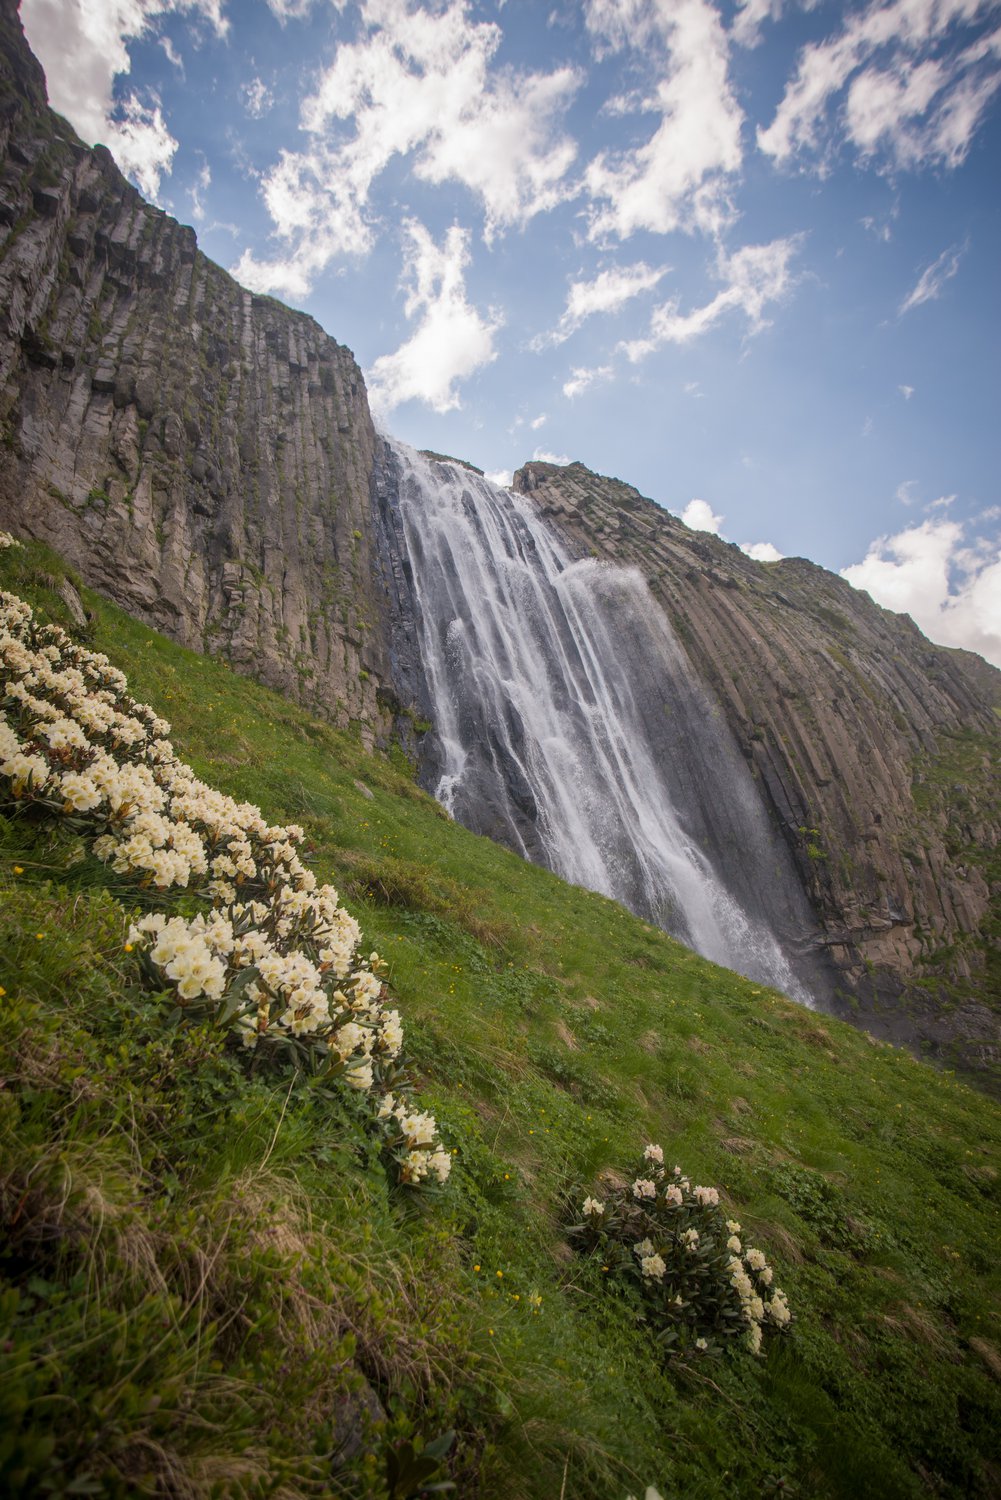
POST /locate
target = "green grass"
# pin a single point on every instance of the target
(208, 1287)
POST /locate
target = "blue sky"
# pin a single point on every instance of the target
(741, 253)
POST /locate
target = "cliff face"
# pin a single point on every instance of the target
(876, 751)
(206, 458)
(202, 456)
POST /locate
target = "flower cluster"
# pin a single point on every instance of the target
(275, 956)
(6, 540)
(665, 1242)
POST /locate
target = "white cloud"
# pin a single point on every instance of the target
(202, 184)
(609, 291)
(171, 53)
(907, 391)
(83, 48)
(932, 279)
(903, 492)
(296, 10)
(762, 551)
(754, 277)
(581, 377)
(257, 98)
(539, 421)
(543, 456)
(418, 83)
(913, 92)
(951, 591)
(699, 515)
(751, 14)
(141, 144)
(452, 339)
(500, 477)
(679, 177)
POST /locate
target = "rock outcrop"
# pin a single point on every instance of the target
(876, 751)
(202, 455)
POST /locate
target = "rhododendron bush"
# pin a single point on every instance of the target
(667, 1244)
(271, 954)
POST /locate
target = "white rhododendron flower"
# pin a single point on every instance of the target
(74, 744)
(699, 1287)
(654, 1153)
(593, 1206)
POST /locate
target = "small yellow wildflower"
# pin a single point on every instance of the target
(18, 869)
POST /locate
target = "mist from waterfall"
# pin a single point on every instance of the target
(568, 725)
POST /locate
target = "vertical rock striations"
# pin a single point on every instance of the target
(202, 455)
(206, 458)
(876, 751)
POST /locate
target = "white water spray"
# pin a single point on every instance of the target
(570, 727)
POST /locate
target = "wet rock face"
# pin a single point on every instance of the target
(202, 455)
(876, 752)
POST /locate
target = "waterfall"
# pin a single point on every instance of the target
(569, 726)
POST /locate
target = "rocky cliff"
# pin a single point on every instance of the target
(876, 751)
(202, 455)
(206, 458)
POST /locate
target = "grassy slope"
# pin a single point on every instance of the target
(195, 1257)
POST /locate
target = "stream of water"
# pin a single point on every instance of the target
(569, 726)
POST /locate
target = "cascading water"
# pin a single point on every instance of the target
(568, 725)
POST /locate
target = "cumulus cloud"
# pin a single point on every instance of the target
(931, 281)
(452, 339)
(543, 456)
(500, 477)
(700, 516)
(606, 293)
(418, 83)
(83, 48)
(911, 80)
(951, 590)
(679, 177)
(762, 551)
(754, 277)
(582, 376)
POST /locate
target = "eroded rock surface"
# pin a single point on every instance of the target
(203, 456)
(876, 751)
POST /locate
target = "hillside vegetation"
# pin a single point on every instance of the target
(211, 1286)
